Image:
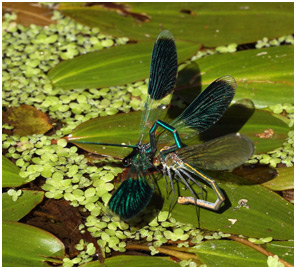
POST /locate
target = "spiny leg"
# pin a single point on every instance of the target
(185, 183)
(193, 180)
(213, 185)
(173, 189)
(166, 180)
(197, 209)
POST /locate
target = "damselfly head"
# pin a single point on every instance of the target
(127, 161)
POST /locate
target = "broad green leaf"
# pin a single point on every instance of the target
(10, 174)
(27, 246)
(240, 119)
(124, 128)
(27, 120)
(212, 24)
(284, 249)
(266, 76)
(283, 181)
(114, 66)
(134, 261)
(117, 129)
(226, 253)
(265, 213)
(26, 202)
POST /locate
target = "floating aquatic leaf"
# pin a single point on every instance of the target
(134, 261)
(26, 202)
(10, 174)
(27, 120)
(283, 181)
(16, 239)
(249, 209)
(265, 76)
(124, 128)
(212, 24)
(227, 253)
(114, 66)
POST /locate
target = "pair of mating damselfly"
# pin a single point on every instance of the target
(176, 160)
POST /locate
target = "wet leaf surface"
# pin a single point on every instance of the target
(214, 24)
(28, 246)
(134, 261)
(26, 120)
(264, 214)
(118, 65)
(260, 75)
(229, 253)
(123, 128)
(14, 211)
(10, 174)
(284, 249)
(283, 181)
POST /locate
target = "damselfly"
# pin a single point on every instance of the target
(178, 161)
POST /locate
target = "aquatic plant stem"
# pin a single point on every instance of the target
(258, 248)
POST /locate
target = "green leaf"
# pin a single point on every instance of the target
(283, 181)
(224, 253)
(116, 129)
(212, 24)
(14, 211)
(134, 261)
(251, 123)
(124, 128)
(27, 246)
(10, 174)
(284, 249)
(265, 214)
(266, 76)
(114, 66)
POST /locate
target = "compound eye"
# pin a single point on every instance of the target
(156, 162)
(126, 162)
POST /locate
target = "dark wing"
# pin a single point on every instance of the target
(132, 196)
(206, 109)
(162, 79)
(223, 153)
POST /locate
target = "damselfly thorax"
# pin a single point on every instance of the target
(167, 159)
(140, 157)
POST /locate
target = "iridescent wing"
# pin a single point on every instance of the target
(207, 108)
(134, 193)
(162, 79)
(223, 153)
(132, 196)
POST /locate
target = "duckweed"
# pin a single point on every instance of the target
(273, 261)
(14, 194)
(260, 241)
(29, 53)
(227, 49)
(275, 42)
(188, 263)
